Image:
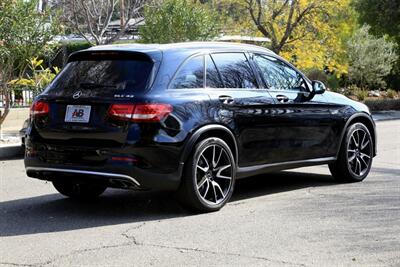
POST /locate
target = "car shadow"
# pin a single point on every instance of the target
(54, 213)
(11, 153)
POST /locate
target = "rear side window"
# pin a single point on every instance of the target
(213, 79)
(190, 75)
(235, 70)
(103, 77)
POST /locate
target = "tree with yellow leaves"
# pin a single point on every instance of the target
(310, 33)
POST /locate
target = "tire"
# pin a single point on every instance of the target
(79, 191)
(209, 176)
(355, 156)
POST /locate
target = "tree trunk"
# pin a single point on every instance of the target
(6, 103)
(122, 13)
(5, 76)
(275, 47)
(44, 5)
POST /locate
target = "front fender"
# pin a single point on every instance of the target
(365, 119)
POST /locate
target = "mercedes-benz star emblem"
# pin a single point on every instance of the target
(77, 95)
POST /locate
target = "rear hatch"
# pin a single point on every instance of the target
(80, 98)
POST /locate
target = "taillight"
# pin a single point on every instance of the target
(39, 108)
(140, 112)
(121, 111)
(151, 112)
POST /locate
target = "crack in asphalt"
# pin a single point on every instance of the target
(221, 253)
(133, 241)
(74, 252)
(80, 251)
(16, 264)
(188, 249)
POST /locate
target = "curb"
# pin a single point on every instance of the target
(386, 115)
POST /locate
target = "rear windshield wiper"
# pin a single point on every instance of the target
(95, 85)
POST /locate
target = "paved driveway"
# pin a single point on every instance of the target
(294, 218)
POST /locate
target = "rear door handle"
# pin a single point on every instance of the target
(225, 99)
(282, 98)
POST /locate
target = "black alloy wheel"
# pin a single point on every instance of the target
(355, 156)
(209, 176)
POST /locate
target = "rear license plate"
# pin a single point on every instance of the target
(77, 113)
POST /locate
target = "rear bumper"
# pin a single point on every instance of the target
(117, 175)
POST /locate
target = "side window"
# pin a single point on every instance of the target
(235, 70)
(278, 75)
(190, 75)
(213, 79)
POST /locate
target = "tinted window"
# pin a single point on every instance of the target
(191, 75)
(278, 75)
(102, 77)
(213, 80)
(235, 70)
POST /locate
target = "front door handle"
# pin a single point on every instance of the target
(225, 99)
(282, 98)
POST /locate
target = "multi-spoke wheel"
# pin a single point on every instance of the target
(209, 176)
(355, 156)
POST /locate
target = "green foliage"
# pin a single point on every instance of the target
(384, 18)
(40, 77)
(371, 59)
(382, 15)
(76, 46)
(361, 94)
(318, 75)
(382, 104)
(351, 90)
(178, 21)
(24, 33)
(391, 94)
(333, 82)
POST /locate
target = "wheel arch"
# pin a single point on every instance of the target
(213, 130)
(367, 121)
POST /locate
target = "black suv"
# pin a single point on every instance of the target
(190, 117)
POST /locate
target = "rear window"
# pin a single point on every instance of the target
(105, 76)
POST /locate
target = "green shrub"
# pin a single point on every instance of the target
(361, 94)
(333, 82)
(371, 59)
(39, 78)
(351, 90)
(383, 104)
(76, 46)
(317, 75)
(126, 42)
(391, 94)
(178, 21)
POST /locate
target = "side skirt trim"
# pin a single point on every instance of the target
(106, 174)
(258, 169)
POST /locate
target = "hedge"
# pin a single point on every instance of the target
(383, 104)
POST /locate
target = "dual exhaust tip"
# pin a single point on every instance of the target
(122, 183)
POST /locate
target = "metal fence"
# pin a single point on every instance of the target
(19, 98)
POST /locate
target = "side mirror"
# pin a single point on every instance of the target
(318, 87)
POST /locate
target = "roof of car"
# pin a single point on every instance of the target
(193, 46)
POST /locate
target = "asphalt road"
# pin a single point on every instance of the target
(300, 217)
